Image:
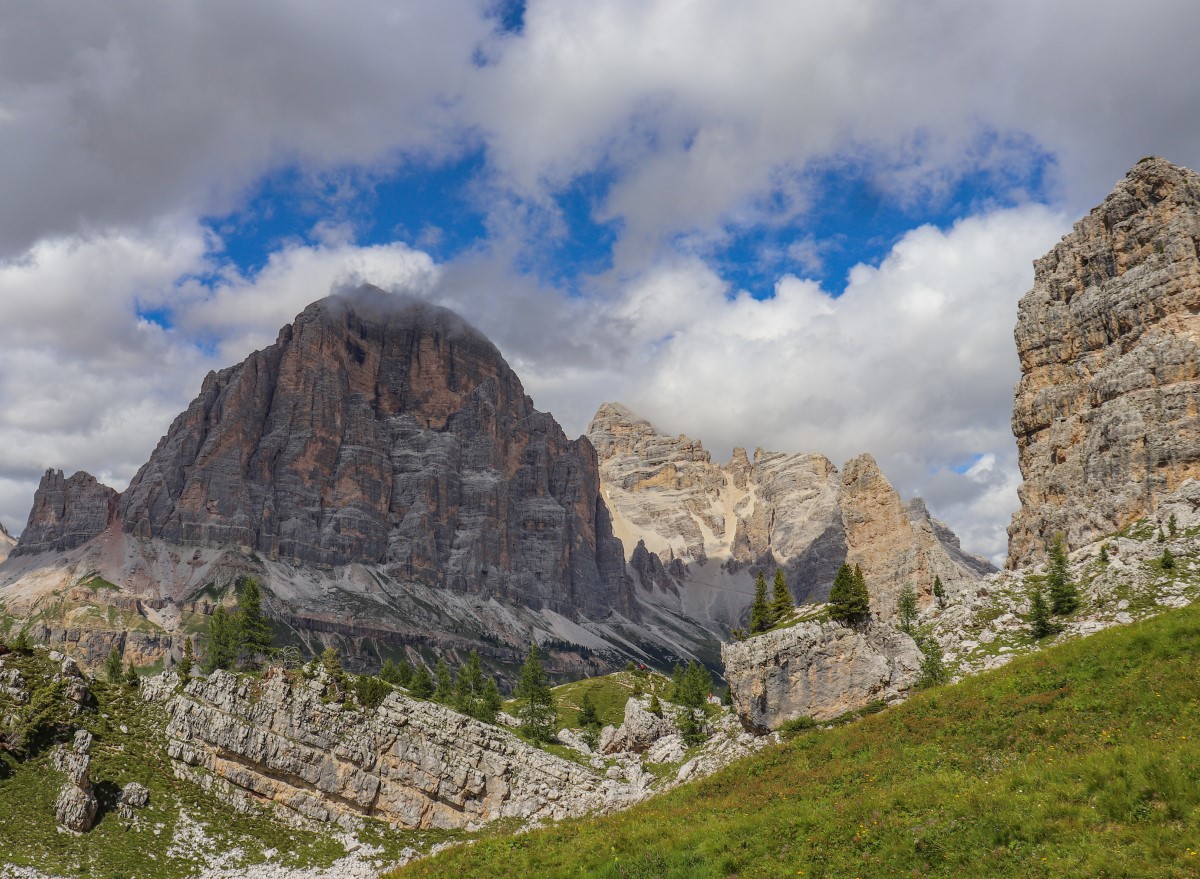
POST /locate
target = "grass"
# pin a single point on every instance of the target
(608, 693)
(1081, 760)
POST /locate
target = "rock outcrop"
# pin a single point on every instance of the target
(414, 764)
(638, 731)
(76, 804)
(695, 530)
(1105, 414)
(818, 671)
(66, 513)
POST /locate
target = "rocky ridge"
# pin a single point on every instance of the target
(67, 512)
(695, 529)
(1109, 342)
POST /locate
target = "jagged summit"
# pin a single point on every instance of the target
(694, 530)
(1109, 344)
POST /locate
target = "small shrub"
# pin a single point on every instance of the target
(370, 691)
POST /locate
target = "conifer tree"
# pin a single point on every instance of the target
(1168, 560)
(535, 701)
(906, 608)
(655, 706)
(587, 711)
(1172, 525)
(1040, 623)
(933, 667)
(781, 599)
(939, 591)
(1104, 553)
(396, 673)
(188, 661)
(1064, 597)
(254, 634)
(848, 599)
(489, 703)
(421, 684)
(132, 678)
(220, 645)
(114, 671)
(468, 688)
(443, 690)
(760, 611)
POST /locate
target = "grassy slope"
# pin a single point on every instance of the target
(1083, 760)
(608, 693)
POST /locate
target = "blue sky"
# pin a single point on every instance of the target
(802, 226)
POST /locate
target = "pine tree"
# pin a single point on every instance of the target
(332, 664)
(132, 678)
(489, 703)
(1040, 623)
(396, 673)
(421, 684)
(848, 599)
(1064, 597)
(254, 633)
(188, 662)
(760, 611)
(655, 706)
(1168, 560)
(939, 591)
(114, 671)
(933, 667)
(906, 608)
(587, 711)
(220, 647)
(781, 599)
(443, 690)
(1104, 553)
(535, 701)
(1172, 525)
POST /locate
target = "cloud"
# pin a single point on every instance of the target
(914, 363)
(116, 114)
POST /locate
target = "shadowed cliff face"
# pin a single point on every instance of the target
(1105, 414)
(387, 433)
(67, 512)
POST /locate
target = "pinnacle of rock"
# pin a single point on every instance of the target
(1109, 344)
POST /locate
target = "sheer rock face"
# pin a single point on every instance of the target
(817, 670)
(1105, 414)
(387, 434)
(66, 513)
(691, 523)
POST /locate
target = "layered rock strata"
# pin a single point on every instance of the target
(391, 435)
(66, 513)
(414, 764)
(819, 671)
(696, 530)
(1105, 414)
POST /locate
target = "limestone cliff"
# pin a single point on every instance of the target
(390, 435)
(1105, 414)
(66, 513)
(695, 529)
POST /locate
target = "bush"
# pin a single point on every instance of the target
(370, 691)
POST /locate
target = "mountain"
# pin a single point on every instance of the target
(382, 472)
(1105, 413)
(696, 531)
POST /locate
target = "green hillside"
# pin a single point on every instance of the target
(1082, 760)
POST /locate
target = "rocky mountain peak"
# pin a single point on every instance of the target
(67, 512)
(697, 531)
(1109, 344)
